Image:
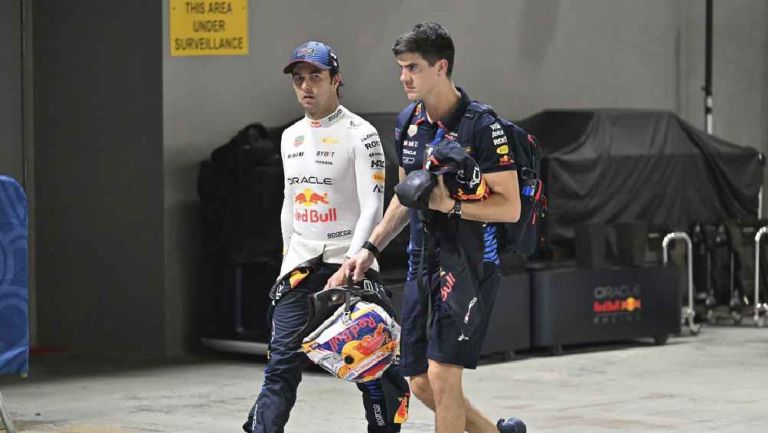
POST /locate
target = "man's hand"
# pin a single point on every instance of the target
(359, 264)
(440, 199)
(339, 278)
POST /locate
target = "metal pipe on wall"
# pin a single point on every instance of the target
(760, 309)
(708, 115)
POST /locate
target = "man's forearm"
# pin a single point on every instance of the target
(496, 208)
(395, 219)
(501, 206)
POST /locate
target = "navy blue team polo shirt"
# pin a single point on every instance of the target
(492, 149)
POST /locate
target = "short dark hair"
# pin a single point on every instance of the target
(333, 72)
(429, 40)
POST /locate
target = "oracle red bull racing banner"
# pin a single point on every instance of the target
(357, 346)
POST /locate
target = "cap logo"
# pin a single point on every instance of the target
(306, 51)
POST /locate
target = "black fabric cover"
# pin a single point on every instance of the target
(241, 194)
(621, 165)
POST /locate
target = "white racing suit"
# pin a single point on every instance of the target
(334, 193)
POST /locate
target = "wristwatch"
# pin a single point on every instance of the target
(372, 248)
(456, 210)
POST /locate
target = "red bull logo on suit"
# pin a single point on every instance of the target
(309, 198)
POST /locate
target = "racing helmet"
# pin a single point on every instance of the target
(351, 332)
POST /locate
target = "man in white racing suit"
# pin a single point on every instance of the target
(334, 187)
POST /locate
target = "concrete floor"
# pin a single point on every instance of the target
(716, 382)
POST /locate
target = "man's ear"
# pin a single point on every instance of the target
(442, 66)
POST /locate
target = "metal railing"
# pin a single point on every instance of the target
(688, 312)
(760, 308)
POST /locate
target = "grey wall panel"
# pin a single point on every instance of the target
(740, 70)
(740, 78)
(11, 154)
(520, 56)
(98, 147)
(741, 50)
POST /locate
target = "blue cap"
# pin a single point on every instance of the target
(315, 53)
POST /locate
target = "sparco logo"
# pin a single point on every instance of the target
(335, 115)
(377, 414)
(312, 180)
(339, 234)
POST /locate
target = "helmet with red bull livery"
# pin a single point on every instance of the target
(358, 340)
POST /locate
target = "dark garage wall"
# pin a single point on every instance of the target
(98, 147)
(10, 90)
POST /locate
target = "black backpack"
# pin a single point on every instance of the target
(241, 192)
(521, 237)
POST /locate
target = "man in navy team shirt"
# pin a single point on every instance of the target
(464, 264)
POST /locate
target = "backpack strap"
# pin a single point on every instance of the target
(475, 110)
(403, 119)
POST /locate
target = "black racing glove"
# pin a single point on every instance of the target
(460, 171)
(415, 190)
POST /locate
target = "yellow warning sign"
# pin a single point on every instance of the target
(209, 28)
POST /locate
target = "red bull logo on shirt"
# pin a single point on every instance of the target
(309, 198)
